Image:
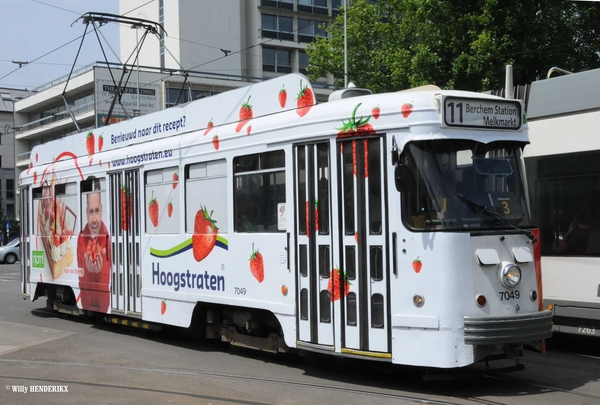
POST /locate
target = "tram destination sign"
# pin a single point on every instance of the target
(481, 113)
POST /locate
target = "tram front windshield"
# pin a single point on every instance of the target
(463, 184)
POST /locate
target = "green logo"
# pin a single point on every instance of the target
(38, 259)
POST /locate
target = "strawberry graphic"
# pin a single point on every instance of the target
(375, 112)
(307, 219)
(175, 180)
(90, 141)
(316, 215)
(153, 210)
(354, 157)
(355, 126)
(333, 286)
(100, 143)
(416, 265)
(245, 115)
(282, 96)
(163, 307)
(406, 109)
(170, 208)
(257, 265)
(209, 126)
(205, 234)
(249, 129)
(34, 177)
(215, 142)
(126, 199)
(306, 99)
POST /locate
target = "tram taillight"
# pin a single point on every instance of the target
(481, 300)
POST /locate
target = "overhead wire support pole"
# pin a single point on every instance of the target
(345, 43)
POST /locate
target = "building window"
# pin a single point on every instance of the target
(259, 191)
(277, 26)
(185, 96)
(10, 189)
(284, 4)
(276, 60)
(313, 6)
(302, 61)
(308, 29)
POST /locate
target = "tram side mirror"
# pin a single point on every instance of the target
(401, 178)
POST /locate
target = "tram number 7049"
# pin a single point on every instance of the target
(509, 295)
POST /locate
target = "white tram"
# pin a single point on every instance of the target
(392, 227)
(563, 167)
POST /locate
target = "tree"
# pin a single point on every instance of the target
(398, 44)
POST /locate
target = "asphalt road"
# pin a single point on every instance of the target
(87, 362)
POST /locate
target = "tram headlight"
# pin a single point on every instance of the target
(510, 275)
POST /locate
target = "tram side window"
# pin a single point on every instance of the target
(55, 210)
(259, 188)
(567, 204)
(66, 208)
(206, 196)
(162, 201)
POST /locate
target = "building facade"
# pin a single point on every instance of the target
(238, 38)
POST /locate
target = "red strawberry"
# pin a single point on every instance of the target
(282, 96)
(175, 180)
(153, 210)
(124, 201)
(245, 115)
(333, 286)
(209, 126)
(205, 234)
(355, 126)
(36, 158)
(306, 99)
(375, 112)
(257, 265)
(354, 157)
(316, 215)
(34, 177)
(56, 240)
(307, 214)
(170, 209)
(215, 142)
(90, 141)
(100, 143)
(163, 307)
(416, 265)
(406, 109)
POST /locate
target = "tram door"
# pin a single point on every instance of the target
(25, 235)
(341, 246)
(363, 254)
(313, 244)
(126, 279)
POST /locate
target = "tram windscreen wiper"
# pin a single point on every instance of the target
(482, 209)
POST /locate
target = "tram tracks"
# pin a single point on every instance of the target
(362, 395)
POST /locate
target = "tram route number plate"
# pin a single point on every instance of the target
(482, 113)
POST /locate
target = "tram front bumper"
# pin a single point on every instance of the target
(492, 330)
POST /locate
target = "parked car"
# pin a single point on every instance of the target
(11, 252)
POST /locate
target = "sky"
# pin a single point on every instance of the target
(32, 30)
